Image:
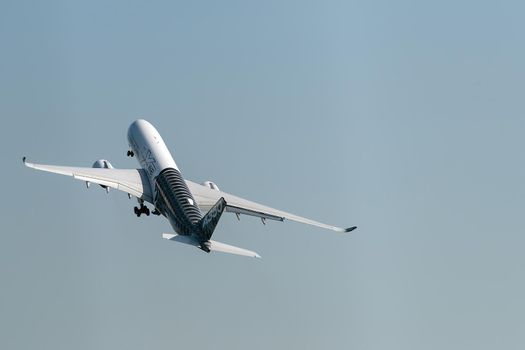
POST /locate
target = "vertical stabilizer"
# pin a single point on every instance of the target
(209, 221)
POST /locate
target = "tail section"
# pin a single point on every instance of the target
(201, 239)
(209, 221)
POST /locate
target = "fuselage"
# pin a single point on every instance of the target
(171, 195)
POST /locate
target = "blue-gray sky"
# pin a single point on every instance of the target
(405, 118)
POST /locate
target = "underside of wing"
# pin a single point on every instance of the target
(207, 197)
(132, 181)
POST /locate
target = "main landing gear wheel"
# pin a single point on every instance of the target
(130, 153)
(142, 210)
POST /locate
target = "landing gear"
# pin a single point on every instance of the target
(142, 210)
(156, 212)
(130, 153)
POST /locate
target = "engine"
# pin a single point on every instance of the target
(102, 163)
(211, 185)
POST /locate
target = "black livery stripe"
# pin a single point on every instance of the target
(173, 200)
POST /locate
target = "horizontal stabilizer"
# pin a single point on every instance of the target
(226, 248)
(180, 238)
(213, 245)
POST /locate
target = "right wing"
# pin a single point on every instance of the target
(132, 181)
(207, 197)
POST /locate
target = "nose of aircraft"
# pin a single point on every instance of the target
(140, 124)
(143, 137)
(138, 129)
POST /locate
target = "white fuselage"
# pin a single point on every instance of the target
(171, 195)
(150, 149)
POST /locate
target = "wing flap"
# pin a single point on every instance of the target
(97, 181)
(260, 214)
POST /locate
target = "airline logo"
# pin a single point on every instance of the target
(210, 220)
(149, 163)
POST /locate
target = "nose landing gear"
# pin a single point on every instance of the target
(130, 153)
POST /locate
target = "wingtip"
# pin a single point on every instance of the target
(24, 159)
(350, 229)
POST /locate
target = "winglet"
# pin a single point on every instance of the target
(350, 229)
(26, 163)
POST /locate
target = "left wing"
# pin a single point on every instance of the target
(207, 197)
(132, 181)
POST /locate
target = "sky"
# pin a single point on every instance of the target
(404, 118)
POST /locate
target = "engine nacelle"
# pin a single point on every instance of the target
(102, 163)
(211, 185)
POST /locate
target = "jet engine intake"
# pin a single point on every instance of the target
(211, 185)
(102, 163)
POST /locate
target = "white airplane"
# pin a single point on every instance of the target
(182, 202)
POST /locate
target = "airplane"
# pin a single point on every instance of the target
(159, 182)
